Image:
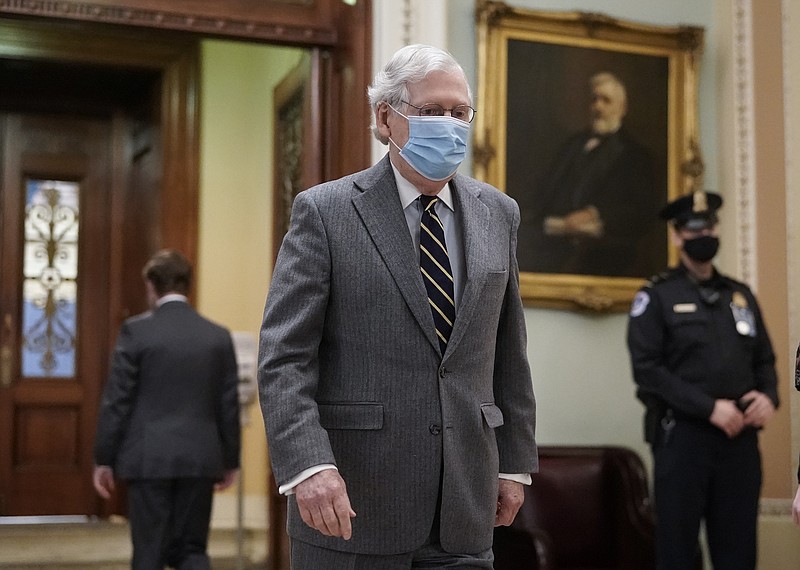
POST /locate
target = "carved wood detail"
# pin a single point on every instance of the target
(301, 22)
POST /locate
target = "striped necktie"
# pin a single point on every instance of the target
(435, 267)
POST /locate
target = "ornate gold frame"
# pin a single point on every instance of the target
(497, 23)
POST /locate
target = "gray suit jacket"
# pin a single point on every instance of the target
(170, 407)
(350, 370)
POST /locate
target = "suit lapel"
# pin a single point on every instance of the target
(378, 205)
(475, 229)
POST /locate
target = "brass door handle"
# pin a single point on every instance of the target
(6, 353)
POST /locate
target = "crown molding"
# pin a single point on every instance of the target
(744, 119)
(189, 21)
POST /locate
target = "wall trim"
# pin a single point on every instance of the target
(744, 120)
(791, 110)
(162, 19)
(775, 507)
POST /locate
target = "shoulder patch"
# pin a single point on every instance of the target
(656, 279)
(640, 302)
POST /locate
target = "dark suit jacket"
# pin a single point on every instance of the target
(616, 178)
(170, 408)
(350, 370)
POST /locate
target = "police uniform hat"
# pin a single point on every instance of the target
(695, 211)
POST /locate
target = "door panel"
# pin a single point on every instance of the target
(55, 304)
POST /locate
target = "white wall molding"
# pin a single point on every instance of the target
(744, 120)
(400, 23)
(775, 507)
(791, 100)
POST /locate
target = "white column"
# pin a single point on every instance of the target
(791, 15)
(397, 23)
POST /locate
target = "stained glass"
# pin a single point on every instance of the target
(50, 270)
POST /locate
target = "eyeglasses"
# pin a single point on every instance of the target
(461, 112)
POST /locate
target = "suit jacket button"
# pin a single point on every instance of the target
(434, 429)
(442, 372)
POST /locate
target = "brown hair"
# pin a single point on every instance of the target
(169, 272)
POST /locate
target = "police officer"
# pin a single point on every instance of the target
(704, 368)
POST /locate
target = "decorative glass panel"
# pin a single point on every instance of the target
(50, 270)
(290, 148)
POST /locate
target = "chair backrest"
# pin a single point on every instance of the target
(572, 495)
(593, 504)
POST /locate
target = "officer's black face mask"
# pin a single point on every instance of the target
(702, 248)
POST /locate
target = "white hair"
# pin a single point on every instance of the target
(408, 65)
(606, 77)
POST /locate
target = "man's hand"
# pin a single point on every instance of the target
(103, 479)
(727, 417)
(510, 496)
(584, 222)
(760, 410)
(796, 507)
(324, 504)
(227, 480)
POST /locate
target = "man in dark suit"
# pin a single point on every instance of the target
(393, 374)
(169, 421)
(589, 213)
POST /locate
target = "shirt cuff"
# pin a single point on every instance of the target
(288, 488)
(524, 478)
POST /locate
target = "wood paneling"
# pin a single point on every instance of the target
(160, 140)
(286, 21)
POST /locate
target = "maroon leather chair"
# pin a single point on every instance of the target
(588, 508)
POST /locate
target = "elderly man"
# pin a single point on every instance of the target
(393, 375)
(589, 213)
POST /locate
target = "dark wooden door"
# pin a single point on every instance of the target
(92, 130)
(54, 304)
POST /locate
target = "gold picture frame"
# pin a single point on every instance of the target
(534, 69)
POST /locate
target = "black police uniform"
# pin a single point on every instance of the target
(690, 344)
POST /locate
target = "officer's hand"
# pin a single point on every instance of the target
(324, 504)
(727, 417)
(760, 410)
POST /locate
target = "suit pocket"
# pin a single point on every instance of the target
(499, 276)
(492, 414)
(494, 289)
(362, 415)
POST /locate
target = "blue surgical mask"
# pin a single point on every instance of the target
(436, 146)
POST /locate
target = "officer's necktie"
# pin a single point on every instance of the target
(436, 273)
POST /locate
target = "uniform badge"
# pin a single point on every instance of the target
(745, 320)
(640, 302)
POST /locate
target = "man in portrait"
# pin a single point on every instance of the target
(588, 214)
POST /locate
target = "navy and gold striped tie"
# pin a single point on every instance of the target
(435, 267)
